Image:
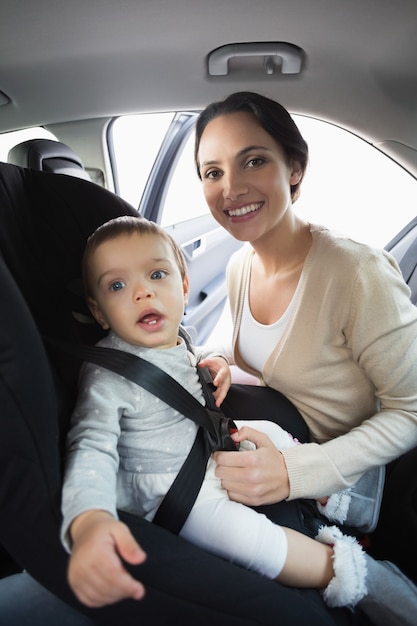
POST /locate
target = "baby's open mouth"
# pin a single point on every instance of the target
(150, 319)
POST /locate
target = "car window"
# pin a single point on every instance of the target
(9, 140)
(349, 186)
(184, 198)
(135, 141)
(352, 187)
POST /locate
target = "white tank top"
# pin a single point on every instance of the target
(256, 341)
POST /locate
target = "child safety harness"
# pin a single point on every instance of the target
(214, 431)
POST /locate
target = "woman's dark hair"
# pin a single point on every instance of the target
(273, 118)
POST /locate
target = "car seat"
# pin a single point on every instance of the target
(49, 156)
(45, 222)
(40, 245)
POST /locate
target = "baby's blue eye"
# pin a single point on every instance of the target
(117, 285)
(158, 274)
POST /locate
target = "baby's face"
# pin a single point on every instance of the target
(138, 290)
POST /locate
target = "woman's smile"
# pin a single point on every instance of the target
(244, 210)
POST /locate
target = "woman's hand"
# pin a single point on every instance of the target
(96, 573)
(253, 477)
(220, 373)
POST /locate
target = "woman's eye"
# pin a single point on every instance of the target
(117, 285)
(212, 174)
(158, 274)
(255, 162)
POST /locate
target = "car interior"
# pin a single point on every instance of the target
(73, 75)
(47, 156)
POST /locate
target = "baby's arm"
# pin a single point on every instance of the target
(98, 542)
(220, 372)
(96, 573)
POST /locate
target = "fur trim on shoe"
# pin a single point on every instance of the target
(348, 585)
(337, 506)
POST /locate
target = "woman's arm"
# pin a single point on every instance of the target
(381, 335)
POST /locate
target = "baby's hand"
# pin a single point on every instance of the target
(220, 372)
(96, 573)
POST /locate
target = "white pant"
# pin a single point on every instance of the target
(234, 531)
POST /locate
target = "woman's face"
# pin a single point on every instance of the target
(246, 176)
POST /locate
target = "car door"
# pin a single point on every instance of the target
(173, 198)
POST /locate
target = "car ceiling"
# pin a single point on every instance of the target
(66, 61)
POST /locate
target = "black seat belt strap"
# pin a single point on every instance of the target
(214, 432)
(151, 378)
(181, 496)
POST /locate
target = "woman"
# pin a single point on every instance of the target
(331, 319)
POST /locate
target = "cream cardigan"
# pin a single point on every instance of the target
(347, 360)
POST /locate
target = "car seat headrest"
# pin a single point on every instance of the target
(48, 155)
